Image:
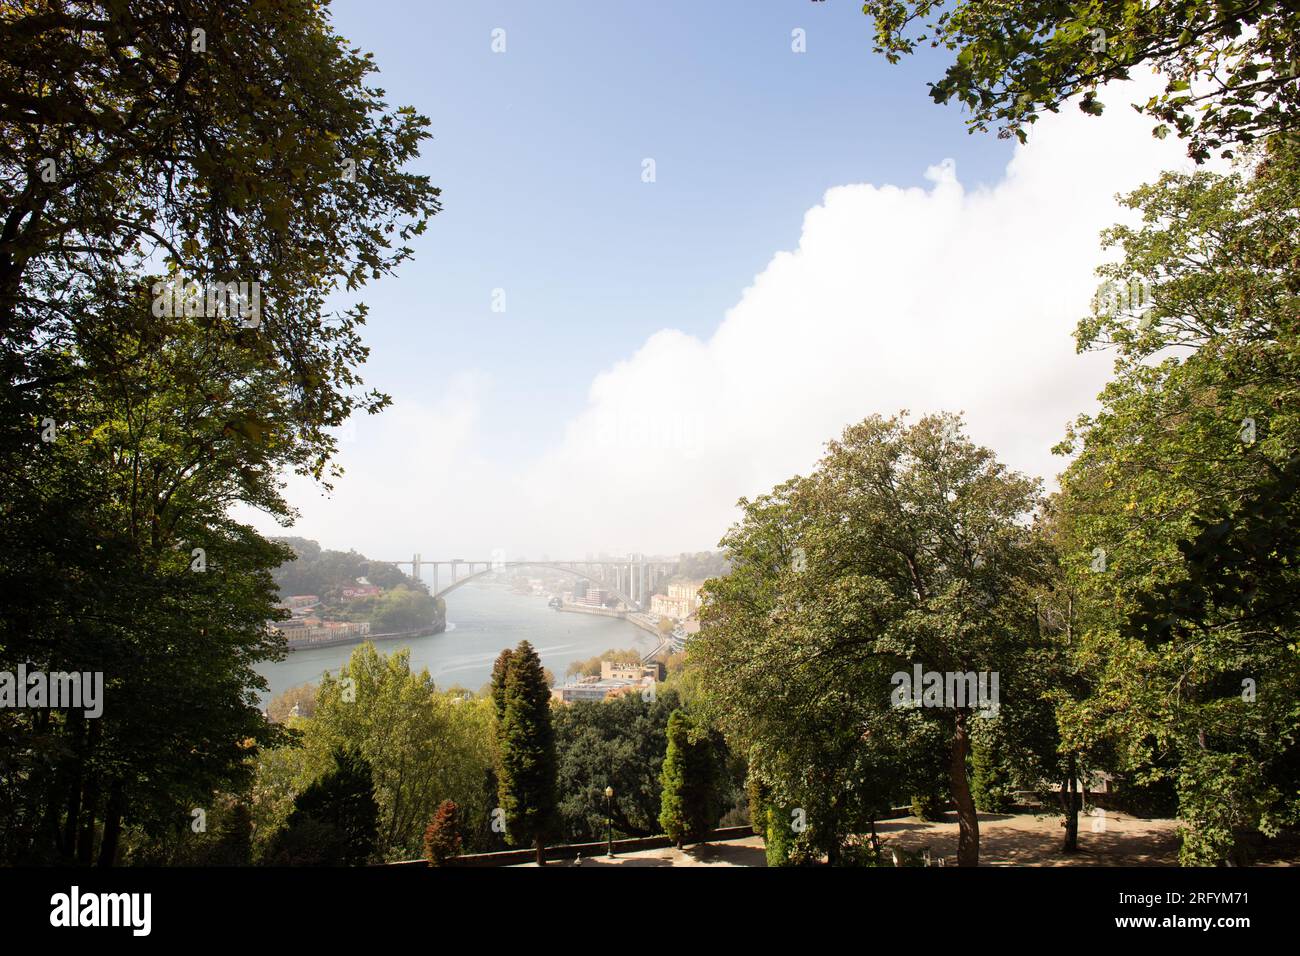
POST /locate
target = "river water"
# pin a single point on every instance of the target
(482, 619)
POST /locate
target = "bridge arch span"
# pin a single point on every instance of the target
(585, 575)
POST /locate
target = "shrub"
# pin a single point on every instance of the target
(992, 785)
(928, 806)
(442, 838)
(779, 839)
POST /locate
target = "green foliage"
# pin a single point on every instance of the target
(235, 838)
(756, 797)
(778, 838)
(927, 769)
(992, 780)
(928, 806)
(526, 747)
(127, 437)
(1158, 798)
(591, 666)
(619, 743)
(908, 544)
(314, 570)
(406, 609)
(334, 821)
(425, 746)
(1229, 67)
(282, 705)
(702, 565)
(1185, 480)
(689, 806)
(226, 840)
(442, 837)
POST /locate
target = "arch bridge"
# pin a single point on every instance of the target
(633, 580)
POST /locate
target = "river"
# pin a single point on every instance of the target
(482, 619)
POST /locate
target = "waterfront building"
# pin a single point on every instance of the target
(681, 601)
(598, 688)
(632, 672)
(298, 633)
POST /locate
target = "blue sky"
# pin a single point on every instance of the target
(539, 152)
(806, 256)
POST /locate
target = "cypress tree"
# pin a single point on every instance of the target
(334, 821)
(689, 805)
(500, 669)
(526, 782)
(235, 838)
(991, 783)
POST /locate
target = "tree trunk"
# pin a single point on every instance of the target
(112, 825)
(72, 807)
(1072, 807)
(968, 833)
(90, 801)
(541, 852)
(89, 809)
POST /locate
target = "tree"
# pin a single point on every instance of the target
(689, 801)
(137, 146)
(778, 838)
(928, 771)
(301, 698)
(591, 666)
(442, 838)
(992, 785)
(907, 546)
(315, 570)
(619, 743)
(406, 608)
(335, 820)
(526, 746)
(424, 746)
(285, 165)
(234, 845)
(1229, 67)
(1182, 498)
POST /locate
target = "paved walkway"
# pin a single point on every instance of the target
(1020, 839)
(745, 852)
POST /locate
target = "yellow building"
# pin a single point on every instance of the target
(681, 601)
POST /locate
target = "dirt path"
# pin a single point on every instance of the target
(1023, 839)
(1006, 839)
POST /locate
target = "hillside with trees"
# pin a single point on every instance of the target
(315, 570)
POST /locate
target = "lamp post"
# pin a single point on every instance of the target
(609, 819)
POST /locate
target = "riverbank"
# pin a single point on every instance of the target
(482, 620)
(361, 639)
(598, 611)
(636, 618)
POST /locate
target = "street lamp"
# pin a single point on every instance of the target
(609, 819)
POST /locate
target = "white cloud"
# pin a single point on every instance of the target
(405, 472)
(927, 299)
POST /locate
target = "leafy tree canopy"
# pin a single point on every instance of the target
(1230, 67)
